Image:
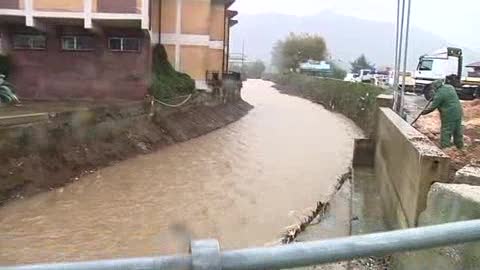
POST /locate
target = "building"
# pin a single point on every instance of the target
(475, 70)
(102, 49)
(196, 44)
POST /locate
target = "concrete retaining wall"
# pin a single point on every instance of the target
(446, 203)
(468, 175)
(406, 165)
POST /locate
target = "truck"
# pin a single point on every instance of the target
(445, 64)
(365, 76)
(409, 80)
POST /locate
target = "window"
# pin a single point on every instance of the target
(124, 44)
(115, 44)
(77, 43)
(425, 65)
(34, 42)
(131, 44)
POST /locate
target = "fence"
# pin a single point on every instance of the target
(206, 254)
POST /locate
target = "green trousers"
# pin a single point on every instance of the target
(452, 129)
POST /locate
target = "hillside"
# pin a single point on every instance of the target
(347, 37)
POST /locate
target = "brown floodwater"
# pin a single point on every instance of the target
(242, 184)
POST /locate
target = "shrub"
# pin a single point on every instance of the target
(167, 83)
(356, 101)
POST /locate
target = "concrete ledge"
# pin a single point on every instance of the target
(468, 175)
(446, 203)
(406, 165)
(385, 101)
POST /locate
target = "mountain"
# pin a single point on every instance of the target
(346, 37)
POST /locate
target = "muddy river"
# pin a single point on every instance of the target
(242, 184)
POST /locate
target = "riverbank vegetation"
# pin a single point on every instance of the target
(167, 83)
(356, 101)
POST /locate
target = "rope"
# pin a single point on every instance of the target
(174, 105)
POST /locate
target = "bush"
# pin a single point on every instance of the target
(167, 83)
(356, 101)
(338, 73)
(5, 65)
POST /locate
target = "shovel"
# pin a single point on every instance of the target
(420, 115)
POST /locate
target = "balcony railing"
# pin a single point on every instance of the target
(207, 254)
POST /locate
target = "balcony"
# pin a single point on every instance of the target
(91, 12)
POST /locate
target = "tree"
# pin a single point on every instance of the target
(337, 72)
(361, 63)
(297, 48)
(256, 69)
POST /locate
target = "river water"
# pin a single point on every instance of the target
(242, 184)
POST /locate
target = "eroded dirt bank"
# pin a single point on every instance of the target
(47, 155)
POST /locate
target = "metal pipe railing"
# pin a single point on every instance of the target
(206, 254)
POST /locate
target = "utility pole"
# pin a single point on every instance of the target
(405, 60)
(399, 94)
(395, 82)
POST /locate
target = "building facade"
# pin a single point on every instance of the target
(196, 44)
(102, 49)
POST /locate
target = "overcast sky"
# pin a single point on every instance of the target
(453, 20)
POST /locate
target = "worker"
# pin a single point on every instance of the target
(447, 102)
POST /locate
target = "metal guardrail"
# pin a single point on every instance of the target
(206, 254)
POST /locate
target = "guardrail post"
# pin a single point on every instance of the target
(206, 255)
